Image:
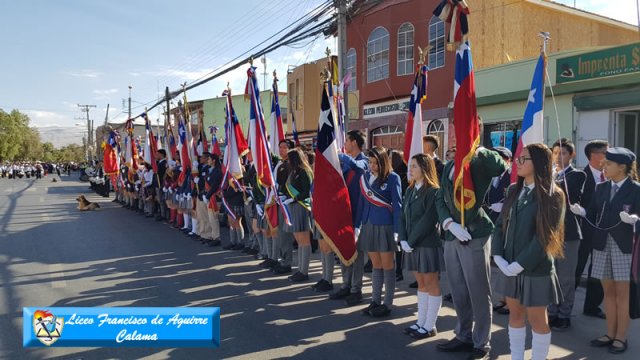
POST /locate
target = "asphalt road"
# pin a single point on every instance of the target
(53, 255)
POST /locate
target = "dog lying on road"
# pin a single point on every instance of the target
(85, 205)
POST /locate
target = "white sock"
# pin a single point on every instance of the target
(540, 345)
(194, 225)
(432, 312)
(517, 338)
(185, 217)
(423, 303)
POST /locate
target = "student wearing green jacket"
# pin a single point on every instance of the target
(466, 252)
(527, 237)
(420, 240)
(298, 188)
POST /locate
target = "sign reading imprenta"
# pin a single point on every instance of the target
(597, 64)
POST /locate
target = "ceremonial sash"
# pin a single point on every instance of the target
(372, 196)
(293, 192)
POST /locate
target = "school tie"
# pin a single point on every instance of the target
(523, 198)
(602, 177)
(614, 189)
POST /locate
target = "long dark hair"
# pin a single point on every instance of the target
(384, 164)
(632, 171)
(550, 199)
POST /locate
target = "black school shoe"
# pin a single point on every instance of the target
(477, 353)
(281, 269)
(367, 311)
(423, 333)
(618, 349)
(342, 293)
(354, 298)
(324, 287)
(600, 342)
(455, 345)
(561, 325)
(298, 277)
(380, 311)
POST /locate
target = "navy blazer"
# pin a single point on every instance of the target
(390, 190)
(352, 170)
(575, 180)
(496, 194)
(604, 214)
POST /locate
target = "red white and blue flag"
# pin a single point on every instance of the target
(533, 120)
(413, 141)
(184, 146)
(236, 143)
(331, 206)
(150, 144)
(465, 117)
(257, 132)
(277, 130)
(215, 146)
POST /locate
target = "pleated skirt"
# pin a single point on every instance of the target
(425, 260)
(377, 238)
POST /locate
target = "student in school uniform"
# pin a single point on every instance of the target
(213, 180)
(298, 187)
(420, 240)
(571, 181)
(613, 215)
(377, 225)
(399, 167)
(354, 163)
(466, 252)
(282, 245)
(233, 198)
(526, 238)
(595, 151)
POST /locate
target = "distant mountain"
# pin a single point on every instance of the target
(61, 136)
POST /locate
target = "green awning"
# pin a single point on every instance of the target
(613, 99)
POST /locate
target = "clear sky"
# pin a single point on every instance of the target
(57, 54)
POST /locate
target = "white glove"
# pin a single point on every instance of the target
(188, 196)
(458, 231)
(259, 209)
(195, 179)
(515, 268)
(357, 232)
(578, 210)
(288, 201)
(628, 218)
(282, 198)
(164, 189)
(405, 246)
(503, 265)
(204, 198)
(170, 190)
(395, 237)
(497, 207)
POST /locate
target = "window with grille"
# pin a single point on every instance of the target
(437, 43)
(378, 55)
(351, 68)
(405, 49)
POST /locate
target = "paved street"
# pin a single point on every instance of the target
(53, 255)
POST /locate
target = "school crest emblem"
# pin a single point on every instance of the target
(47, 327)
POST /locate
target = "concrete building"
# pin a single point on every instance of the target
(381, 42)
(597, 96)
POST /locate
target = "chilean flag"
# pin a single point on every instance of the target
(465, 118)
(185, 161)
(236, 144)
(413, 142)
(257, 131)
(215, 147)
(150, 144)
(296, 140)
(277, 131)
(331, 206)
(533, 120)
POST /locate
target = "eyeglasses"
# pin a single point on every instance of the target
(522, 159)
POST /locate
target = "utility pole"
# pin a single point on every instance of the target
(86, 108)
(263, 60)
(342, 51)
(129, 101)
